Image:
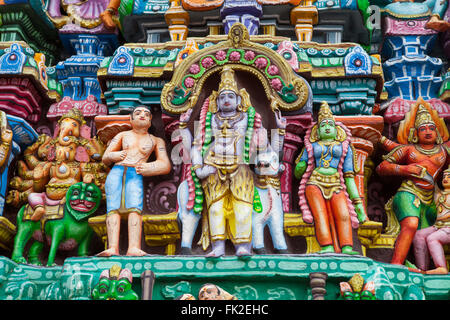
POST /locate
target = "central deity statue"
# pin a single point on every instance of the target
(220, 162)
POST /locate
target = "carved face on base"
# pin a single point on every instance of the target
(209, 292)
(114, 284)
(83, 200)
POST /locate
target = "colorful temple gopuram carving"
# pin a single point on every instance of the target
(224, 150)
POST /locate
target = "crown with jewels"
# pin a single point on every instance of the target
(74, 114)
(423, 116)
(325, 112)
(228, 82)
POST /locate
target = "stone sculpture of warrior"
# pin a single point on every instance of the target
(418, 159)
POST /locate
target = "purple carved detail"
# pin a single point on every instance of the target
(161, 198)
(376, 200)
(397, 27)
(73, 28)
(44, 130)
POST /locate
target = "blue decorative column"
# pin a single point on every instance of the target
(78, 76)
(246, 12)
(409, 70)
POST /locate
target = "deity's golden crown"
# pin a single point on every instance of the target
(228, 81)
(74, 114)
(423, 116)
(325, 112)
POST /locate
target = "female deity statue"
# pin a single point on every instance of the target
(419, 158)
(328, 193)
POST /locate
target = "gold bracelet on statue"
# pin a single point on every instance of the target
(357, 200)
(282, 132)
(182, 125)
(349, 174)
(196, 167)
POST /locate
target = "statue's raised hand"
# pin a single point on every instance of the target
(280, 120)
(186, 116)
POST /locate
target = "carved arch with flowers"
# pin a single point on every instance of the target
(287, 91)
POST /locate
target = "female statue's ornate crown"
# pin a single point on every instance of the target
(228, 82)
(423, 116)
(325, 112)
(74, 114)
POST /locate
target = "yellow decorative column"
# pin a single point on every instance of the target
(178, 20)
(304, 16)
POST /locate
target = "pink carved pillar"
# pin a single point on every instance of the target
(366, 132)
(296, 127)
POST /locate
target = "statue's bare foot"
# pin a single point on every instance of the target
(136, 252)
(218, 249)
(106, 17)
(215, 254)
(243, 250)
(439, 270)
(38, 213)
(436, 24)
(416, 270)
(108, 253)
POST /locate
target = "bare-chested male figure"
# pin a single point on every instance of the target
(129, 151)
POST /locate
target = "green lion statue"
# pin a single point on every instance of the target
(64, 226)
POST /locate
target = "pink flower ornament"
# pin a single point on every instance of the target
(207, 62)
(276, 84)
(261, 63)
(273, 70)
(189, 82)
(221, 55)
(235, 56)
(249, 55)
(194, 69)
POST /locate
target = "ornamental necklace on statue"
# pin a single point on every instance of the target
(329, 151)
(429, 152)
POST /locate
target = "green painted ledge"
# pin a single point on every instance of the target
(259, 277)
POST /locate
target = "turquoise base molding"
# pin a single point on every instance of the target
(258, 277)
